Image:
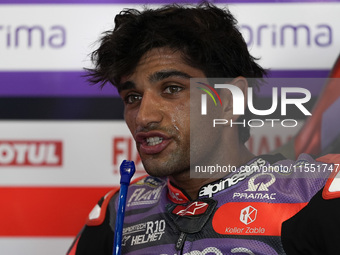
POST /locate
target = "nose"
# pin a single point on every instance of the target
(150, 110)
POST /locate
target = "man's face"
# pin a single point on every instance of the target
(157, 110)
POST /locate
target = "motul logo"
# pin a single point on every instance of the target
(30, 153)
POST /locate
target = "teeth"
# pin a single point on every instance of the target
(151, 141)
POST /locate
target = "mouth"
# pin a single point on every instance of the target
(152, 142)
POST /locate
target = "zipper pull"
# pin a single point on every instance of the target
(181, 240)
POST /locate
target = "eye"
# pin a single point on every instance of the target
(132, 98)
(173, 89)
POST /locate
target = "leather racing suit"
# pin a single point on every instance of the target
(239, 214)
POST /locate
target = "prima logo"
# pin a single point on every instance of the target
(238, 99)
(37, 36)
(285, 35)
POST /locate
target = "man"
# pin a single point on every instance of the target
(151, 56)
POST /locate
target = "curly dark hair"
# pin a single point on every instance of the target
(206, 35)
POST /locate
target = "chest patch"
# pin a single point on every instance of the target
(190, 218)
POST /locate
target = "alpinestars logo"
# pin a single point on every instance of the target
(195, 208)
(211, 189)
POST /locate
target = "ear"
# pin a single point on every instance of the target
(233, 99)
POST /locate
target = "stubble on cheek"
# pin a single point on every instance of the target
(174, 159)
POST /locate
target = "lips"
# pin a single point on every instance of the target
(152, 142)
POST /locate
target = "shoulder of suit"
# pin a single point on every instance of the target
(332, 186)
(97, 216)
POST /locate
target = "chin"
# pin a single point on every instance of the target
(163, 171)
(156, 174)
(173, 164)
(157, 171)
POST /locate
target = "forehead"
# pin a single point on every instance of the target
(163, 55)
(161, 59)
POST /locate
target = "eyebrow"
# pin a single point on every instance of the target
(155, 77)
(164, 74)
(126, 85)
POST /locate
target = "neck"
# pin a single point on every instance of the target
(190, 185)
(237, 157)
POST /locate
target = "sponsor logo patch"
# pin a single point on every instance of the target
(195, 208)
(147, 232)
(248, 215)
(258, 188)
(211, 189)
(31, 153)
(144, 196)
(256, 218)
